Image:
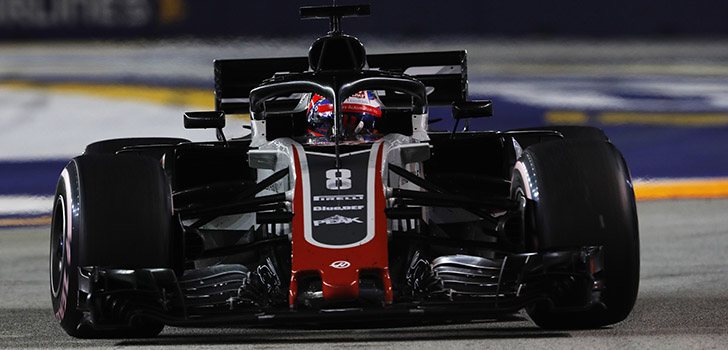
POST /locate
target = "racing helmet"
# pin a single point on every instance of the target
(360, 114)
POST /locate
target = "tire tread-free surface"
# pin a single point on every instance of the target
(117, 215)
(584, 197)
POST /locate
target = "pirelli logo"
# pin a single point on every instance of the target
(353, 197)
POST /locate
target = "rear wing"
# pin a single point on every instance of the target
(443, 73)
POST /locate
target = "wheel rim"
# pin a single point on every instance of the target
(58, 245)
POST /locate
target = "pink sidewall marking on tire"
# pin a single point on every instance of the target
(60, 314)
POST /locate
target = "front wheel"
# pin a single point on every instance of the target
(111, 211)
(583, 196)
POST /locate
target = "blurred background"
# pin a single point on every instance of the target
(652, 74)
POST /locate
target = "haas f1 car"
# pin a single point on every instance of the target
(342, 206)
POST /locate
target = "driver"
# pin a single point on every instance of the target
(360, 114)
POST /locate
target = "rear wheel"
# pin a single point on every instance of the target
(583, 196)
(574, 132)
(111, 211)
(114, 145)
(569, 132)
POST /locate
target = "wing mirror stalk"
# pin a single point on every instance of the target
(470, 109)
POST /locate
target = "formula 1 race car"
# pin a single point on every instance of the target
(321, 215)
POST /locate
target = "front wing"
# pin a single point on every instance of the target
(564, 280)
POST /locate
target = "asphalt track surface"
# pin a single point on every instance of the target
(682, 301)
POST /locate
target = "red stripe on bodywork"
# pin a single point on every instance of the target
(297, 226)
(380, 225)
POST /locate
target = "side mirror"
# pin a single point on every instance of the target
(472, 109)
(204, 120)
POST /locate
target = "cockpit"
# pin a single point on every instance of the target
(330, 107)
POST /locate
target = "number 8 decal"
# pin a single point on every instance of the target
(338, 179)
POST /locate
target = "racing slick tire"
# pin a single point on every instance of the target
(114, 145)
(573, 132)
(583, 196)
(570, 132)
(110, 211)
